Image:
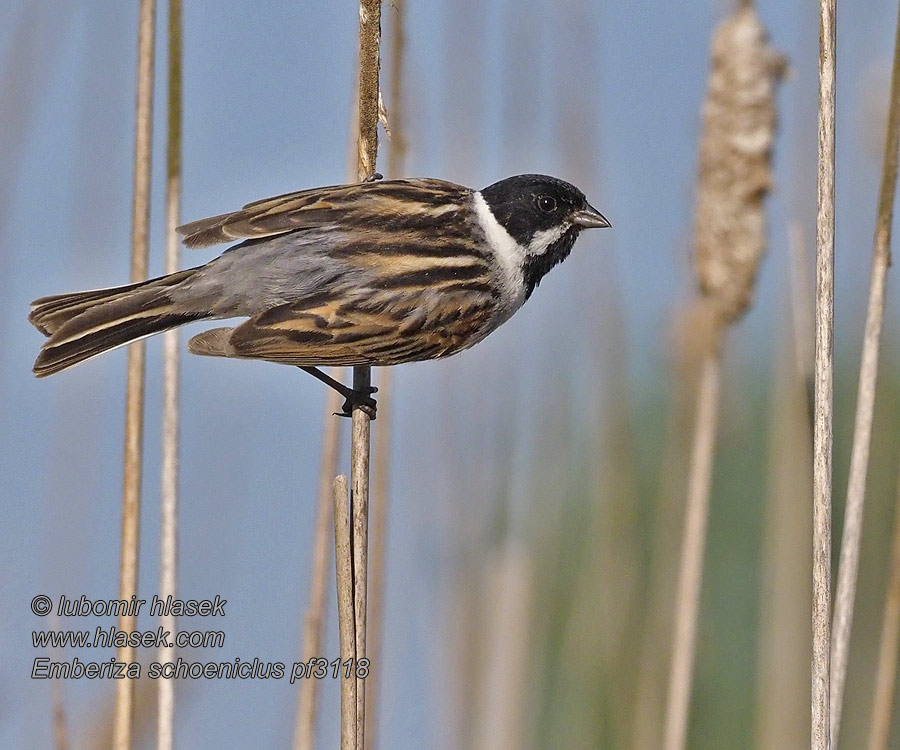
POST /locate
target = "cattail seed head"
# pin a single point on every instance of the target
(739, 122)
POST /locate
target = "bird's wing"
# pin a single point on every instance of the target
(335, 333)
(365, 204)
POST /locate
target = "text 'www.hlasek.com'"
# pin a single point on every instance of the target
(59, 641)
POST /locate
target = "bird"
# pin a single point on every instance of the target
(381, 272)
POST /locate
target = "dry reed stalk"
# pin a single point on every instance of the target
(359, 477)
(782, 683)
(739, 122)
(343, 562)
(691, 566)
(134, 405)
(313, 621)
(369, 92)
(60, 729)
(100, 717)
(60, 735)
(503, 679)
(801, 319)
(379, 530)
(398, 149)
(367, 152)
(686, 359)
(865, 407)
(824, 384)
(396, 168)
(314, 618)
(886, 677)
(168, 565)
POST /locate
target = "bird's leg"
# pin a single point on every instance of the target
(352, 398)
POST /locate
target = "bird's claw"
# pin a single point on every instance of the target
(361, 400)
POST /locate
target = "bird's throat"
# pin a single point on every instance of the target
(537, 266)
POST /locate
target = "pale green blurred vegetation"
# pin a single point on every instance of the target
(598, 551)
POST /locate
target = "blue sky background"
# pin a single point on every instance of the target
(495, 88)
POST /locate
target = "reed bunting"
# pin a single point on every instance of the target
(377, 273)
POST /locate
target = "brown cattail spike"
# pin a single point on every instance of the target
(735, 161)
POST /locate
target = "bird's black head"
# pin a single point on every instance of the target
(544, 215)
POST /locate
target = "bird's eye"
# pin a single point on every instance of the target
(546, 203)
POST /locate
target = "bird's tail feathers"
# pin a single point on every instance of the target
(85, 324)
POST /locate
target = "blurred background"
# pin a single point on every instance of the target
(537, 481)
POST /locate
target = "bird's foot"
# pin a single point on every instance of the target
(361, 400)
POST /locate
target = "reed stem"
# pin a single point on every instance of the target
(168, 566)
(313, 621)
(367, 152)
(692, 549)
(396, 168)
(886, 677)
(824, 385)
(343, 562)
(134, 400)
(865, 406)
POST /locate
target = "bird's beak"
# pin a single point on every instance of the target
(590, 217)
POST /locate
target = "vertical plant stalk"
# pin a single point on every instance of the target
(885, 680)
(507, 655)
(397, 151)
(782, 672)
(824, 385)
(693, 545)
(735, 166)
(60, 730)
(168, 564)
(801, 317)
(396, 168)
(865, 406)
(313, 621)
(369, 93)
(379, 529)
(343, 562)
(359, 507)
(367, 152)
(668, 504)
(134, 400)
